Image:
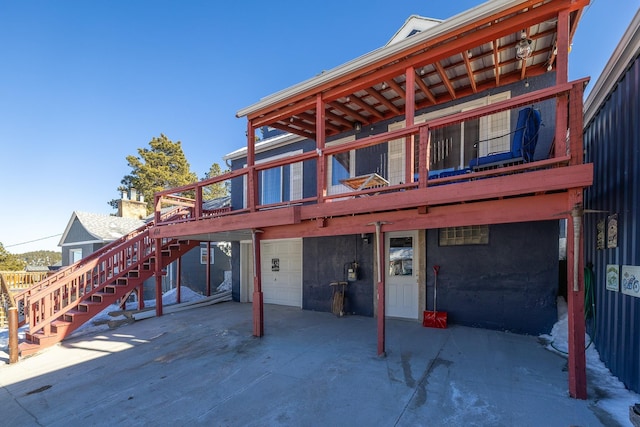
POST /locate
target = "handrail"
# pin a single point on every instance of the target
(4, 289)
(564, 89)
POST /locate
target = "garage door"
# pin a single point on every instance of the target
(282, 271)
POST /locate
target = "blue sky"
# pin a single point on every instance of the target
(83, 84)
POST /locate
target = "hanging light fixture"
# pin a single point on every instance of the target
(357, 126)
(523, 47)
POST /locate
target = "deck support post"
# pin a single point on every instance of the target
(178, 281)
(575, 295)
(158, 275)
(321, 177)
(13, 335)
(258, 303)
(380, 288)
(208, 269)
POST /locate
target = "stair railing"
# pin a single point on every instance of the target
(62, 291)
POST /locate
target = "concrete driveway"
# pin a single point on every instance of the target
(203, 367)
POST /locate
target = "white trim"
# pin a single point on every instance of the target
(86, 242)
(484, 10)
(266, 145)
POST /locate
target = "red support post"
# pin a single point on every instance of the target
(158, 275)
(575, 296)
(252, 178)
(562, 76)
(410, 112)
(178, 279)
(208, 269)
(321, 176)
(424, 153)
(258, 304)
(381, 289)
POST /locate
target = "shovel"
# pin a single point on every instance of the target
(434, 319)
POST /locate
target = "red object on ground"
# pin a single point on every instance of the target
(435, 319)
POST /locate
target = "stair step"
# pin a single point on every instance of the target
(76, 316)
(28, 348)
(39, 338)
(60, 327)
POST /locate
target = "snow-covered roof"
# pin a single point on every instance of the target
(104, 228)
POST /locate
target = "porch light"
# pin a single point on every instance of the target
(523, 47)
(357, 126)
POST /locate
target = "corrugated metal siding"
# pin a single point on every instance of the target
(612, 144)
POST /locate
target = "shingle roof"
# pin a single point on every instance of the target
(103, 227)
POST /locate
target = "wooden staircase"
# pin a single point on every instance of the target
(60, 304)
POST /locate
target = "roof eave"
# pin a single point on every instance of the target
(486, 9)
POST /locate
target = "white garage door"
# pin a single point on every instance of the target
(282, 271)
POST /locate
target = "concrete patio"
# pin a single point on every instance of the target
(203, 367)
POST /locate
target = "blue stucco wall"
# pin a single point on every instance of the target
(612, 144)
(510, 284)
(325, 260)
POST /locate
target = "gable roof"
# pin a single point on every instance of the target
(413, 25)
(105, 228)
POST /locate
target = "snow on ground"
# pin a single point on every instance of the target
(615, 401)
(99, 321)
(616, 397)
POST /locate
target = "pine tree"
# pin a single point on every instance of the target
(10, 262)
(160, 167)
(220, 189)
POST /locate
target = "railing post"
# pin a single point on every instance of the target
(13, 335)
(321, 166)
(424, 157)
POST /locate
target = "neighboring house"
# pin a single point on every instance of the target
(87, 233)
(612, 216)
(426, 152)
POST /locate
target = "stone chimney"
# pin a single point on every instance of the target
(132, 205)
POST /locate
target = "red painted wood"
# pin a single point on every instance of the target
(562, 43)
(208, 269)
(258, 302)
(158, 275)
(576, 119)
(576, 323)
(380, 290)
(424, 160)
(410, 112)
(178, 280)
(321, 175)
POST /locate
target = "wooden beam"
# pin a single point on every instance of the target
(513, 210)
(348, 111)
(470, 74)
(366, 107)
(425, 89)
(397, 88)
(575, 298)
(383, 100)
(445, 79)
(258, 297)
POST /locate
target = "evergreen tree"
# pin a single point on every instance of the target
(10, 262)
(220, 189)
(160, 167)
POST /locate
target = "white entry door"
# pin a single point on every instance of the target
(401, 293)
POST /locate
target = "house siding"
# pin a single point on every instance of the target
(612, 144)
(509, 284)
(325, 261)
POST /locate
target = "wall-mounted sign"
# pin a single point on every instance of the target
(630, 276)
(613, 277)
(275, 264)
(612, 231)
(600, 233)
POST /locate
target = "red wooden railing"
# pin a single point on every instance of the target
(563, 154)
(59, 293)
